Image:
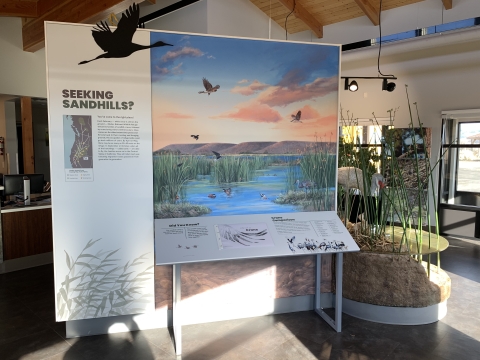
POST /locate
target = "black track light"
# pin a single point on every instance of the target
(353, 86)
(389, 86)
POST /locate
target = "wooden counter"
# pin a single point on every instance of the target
(26, 230)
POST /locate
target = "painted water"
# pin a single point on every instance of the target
(186, 186)
(244, 197)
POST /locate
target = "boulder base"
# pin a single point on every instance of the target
(393, 280)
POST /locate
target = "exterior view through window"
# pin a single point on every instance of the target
(468, 175)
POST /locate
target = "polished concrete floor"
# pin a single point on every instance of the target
(28, 329)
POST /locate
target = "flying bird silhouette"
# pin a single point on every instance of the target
(218, 156)
(208, 87)
(296, 118)
(118, 44)
(195, 136)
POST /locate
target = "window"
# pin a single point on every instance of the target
(460, 164)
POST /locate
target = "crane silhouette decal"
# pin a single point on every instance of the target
(118, 43)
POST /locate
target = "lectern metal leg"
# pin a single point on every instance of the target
(176, 311)
(337, 322)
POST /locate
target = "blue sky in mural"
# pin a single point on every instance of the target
(261, 82)
(273, 62)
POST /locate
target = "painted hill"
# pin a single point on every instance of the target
(208, 148)
(288, 147)
(252, 147)
(182, 148)
(257, 147)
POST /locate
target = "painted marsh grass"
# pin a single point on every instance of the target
(181, 210)
(231, 169)
(310, 179)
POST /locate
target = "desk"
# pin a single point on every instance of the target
(26, 231)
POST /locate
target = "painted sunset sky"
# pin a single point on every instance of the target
(262, 83)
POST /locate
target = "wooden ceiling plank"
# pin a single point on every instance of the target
(369, 8)
(448, 4)
(305, 16)
(86, 12)
(18, 8)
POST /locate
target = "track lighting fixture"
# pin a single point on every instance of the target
(386, 85)
(389, 86)
(353, 86)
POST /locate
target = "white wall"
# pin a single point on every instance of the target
(21, 73)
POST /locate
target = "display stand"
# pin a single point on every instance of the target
(335, 323)
(182, 241)
(176, 308)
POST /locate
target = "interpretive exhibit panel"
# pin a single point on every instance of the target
(229, 144)
(243, 126)
(247, 236)
(244, 137)
(101, 173)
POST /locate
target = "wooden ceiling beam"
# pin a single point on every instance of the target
(448, 4)
(302, 14)
(372, 11)
(74, 11)
(18, 8)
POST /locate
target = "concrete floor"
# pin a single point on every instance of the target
(28, 329)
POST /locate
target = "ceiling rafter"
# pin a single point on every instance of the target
(302, 14)
(448, 4)
(371, 9)
(18, 8)
(326, 12)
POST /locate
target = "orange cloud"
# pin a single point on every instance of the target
(173, 115)
(252, 111)
(282, 96)
(251, 89)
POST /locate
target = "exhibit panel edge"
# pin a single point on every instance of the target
(102, 197)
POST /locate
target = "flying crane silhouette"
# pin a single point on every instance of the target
(118, 44)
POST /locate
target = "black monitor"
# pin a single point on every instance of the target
(13, 184)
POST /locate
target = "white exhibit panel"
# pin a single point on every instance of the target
(244, 148)
(101, 175)
(245, 139)
(187, 148)
(250, 236)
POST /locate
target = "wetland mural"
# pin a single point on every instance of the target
(243, 126)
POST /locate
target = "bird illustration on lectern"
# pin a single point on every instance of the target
(118, 43)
